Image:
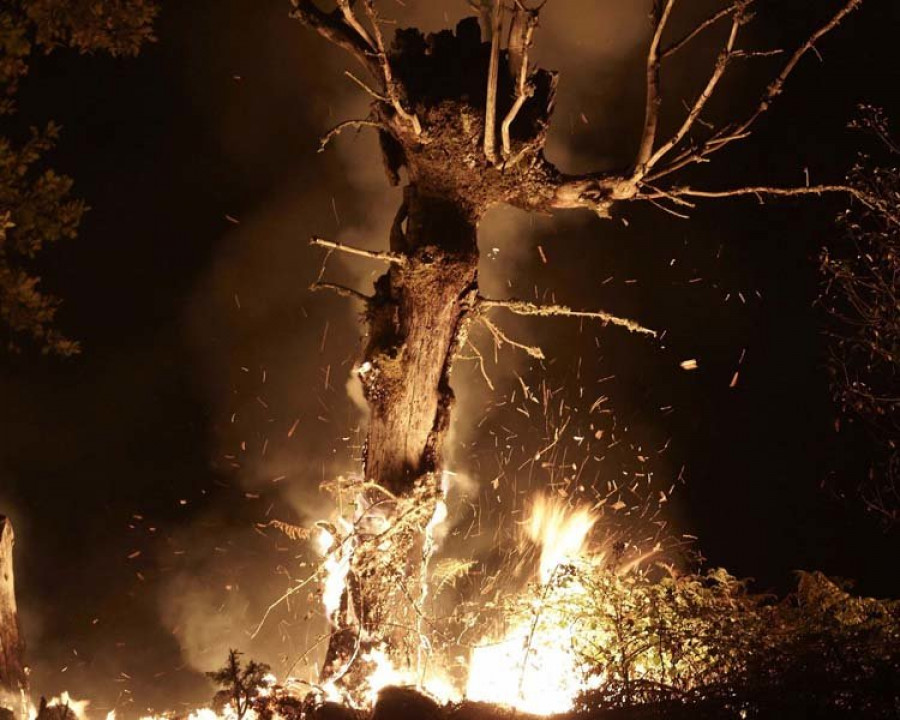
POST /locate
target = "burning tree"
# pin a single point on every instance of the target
(465, 115)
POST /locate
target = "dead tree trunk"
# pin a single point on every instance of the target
(416, 323)
(417, 319)
(13, 679)
(419, 314)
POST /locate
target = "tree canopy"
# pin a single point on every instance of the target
(37, 208)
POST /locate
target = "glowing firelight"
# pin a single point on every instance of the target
(336, 564)
(561, 532)
(534, 667)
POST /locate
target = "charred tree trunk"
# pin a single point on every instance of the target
(13, 679)
(417, 320)
(416, 323)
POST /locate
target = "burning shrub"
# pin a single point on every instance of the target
(703, 642)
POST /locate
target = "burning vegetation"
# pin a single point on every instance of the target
(587, 632)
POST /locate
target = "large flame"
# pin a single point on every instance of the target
(534, 667)
(561, 532)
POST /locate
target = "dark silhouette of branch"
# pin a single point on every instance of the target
(334, 28)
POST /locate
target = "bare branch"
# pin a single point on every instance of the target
(331, 27)
(651, 117)
(384, 65)
(341, 290)
(351, 250)
(523, 44)
(709, 22)
(375, 94)
(350, 19)
(490, 112)
(733, 132)
(776, 87)
(500, 337)
(762, 190)
(479, 358)
(721, 64)
(522, 307)
(340, 127)
(670, 211)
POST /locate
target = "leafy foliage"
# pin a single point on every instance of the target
(38, 212)
(36, 208)
(704, 641)
(862, 293)
(703, 645)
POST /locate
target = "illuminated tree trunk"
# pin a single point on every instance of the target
(417, 319)
(416, 322)
(13, 680)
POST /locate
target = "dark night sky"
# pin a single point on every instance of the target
(199, 333)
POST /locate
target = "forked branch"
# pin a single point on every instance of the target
(501, 337)
(699, 28)
(600, 191)
(520, 42)
(738, 131)
(387, 75)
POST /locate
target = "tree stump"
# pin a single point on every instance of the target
(13, 678)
